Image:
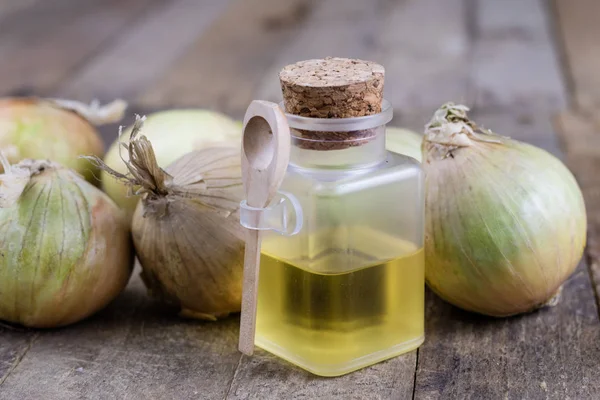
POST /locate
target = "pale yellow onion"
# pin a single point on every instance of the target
(186, 228)
(65, 246)
(173, 133)
(506, 222)
(59, 130)
(403, 141)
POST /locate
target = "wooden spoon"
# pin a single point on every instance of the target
(265, 157)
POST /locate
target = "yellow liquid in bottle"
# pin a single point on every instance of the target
(331, 324)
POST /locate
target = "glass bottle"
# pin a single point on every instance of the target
(346, 289)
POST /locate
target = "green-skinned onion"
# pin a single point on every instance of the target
(65, 249)
(55, 129)
(403, 141)
(506, 221)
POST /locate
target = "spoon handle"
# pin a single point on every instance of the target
(265, 156)
(251, 272)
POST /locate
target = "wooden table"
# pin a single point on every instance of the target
(529, 68)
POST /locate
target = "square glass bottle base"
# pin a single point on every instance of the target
(334, 323)
(326, 369)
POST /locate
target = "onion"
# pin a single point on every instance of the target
(186, 229)
(173, 133)
(59, 130)
(506, 222)
(65, 246)
(403, 141)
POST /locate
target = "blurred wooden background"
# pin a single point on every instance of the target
(530, 69)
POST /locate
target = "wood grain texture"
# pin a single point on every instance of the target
(46, 43)
(579, 128)
(266, 377)
(334, 28)
(533, 128)
(144, 51)
(424, 46)
(579, 31)
(549, 354)
(514, 62)
(580, 136)
(14, 344)
(9, 8)
(221, 70)
(134, 349)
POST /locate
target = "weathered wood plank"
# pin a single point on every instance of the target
(222, 69)
(10, 8)
(45, 44)
(424, 68)
(339, 28)
(581, 139)
(266, 377)
(580, 128)
(514, 63)
(424, 46)
(579, 32)
(533, 128)
(14, 344)
(143, 52)
(134, 349)
(550, 354)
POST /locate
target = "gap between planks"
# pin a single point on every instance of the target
(580, 135)
(48, 41)
(12, 8)
(145, 50)
(579, 31)
(135, 348)
(579, 128)
(19, 358)
(220, 70)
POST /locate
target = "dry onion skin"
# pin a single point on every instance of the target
(65, 246)
(54, 129)
(506, 221)
(173, 133)
(186, 228)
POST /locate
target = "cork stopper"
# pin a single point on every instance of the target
(332, 88)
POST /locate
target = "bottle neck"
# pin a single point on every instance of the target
(361, 149)
(339, 143)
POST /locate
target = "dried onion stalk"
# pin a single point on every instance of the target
(173, 133)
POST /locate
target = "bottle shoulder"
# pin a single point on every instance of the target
(396, 168)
